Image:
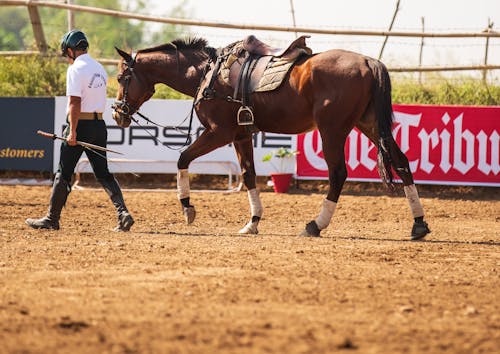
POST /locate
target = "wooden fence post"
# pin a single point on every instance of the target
(71, 16)
(390, 28)
(293, 17)
(37, 27)
(421, 51)
(487, 30)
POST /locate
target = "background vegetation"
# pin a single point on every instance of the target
(45, 76)
(32, 76)
(103, 32)
(441, 90)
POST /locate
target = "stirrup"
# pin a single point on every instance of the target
(245, 116)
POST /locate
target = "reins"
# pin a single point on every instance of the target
(208, 93)
(176, 128)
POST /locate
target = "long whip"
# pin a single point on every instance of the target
(81, 143)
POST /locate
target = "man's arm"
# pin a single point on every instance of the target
(74, 113)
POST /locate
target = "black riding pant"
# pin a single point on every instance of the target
(89, 131)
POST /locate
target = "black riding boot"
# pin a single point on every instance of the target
(125, 220)
(60, 191)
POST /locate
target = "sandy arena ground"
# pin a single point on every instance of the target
(166, 287)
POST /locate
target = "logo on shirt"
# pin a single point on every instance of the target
(97, 81)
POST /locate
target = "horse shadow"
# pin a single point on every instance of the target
(422, 241)
(468, 193)
(351, 238)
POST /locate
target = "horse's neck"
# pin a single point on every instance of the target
(187, 80)
(180, 74)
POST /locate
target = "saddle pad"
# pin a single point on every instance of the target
(235, 52)
(274, 74)
(272, 77)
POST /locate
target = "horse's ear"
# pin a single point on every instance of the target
(124, 55)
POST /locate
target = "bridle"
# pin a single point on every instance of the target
(123, 107)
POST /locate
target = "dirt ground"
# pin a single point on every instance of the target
(166, 287)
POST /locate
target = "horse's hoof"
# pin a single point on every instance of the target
(419, 230)
(249, 229)
(189, 214)
(311, 230)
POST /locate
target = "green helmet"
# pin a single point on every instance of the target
(74, 39)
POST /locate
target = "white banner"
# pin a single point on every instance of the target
(151, 149)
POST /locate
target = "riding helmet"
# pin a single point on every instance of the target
(74, 39)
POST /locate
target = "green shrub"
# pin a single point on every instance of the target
(32, 75)
(462, 92)
(36, 75)
(46, 76)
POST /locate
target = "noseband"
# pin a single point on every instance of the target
(123, 107)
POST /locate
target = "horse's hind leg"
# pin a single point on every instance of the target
(400, 164)
(333, 150)
(244, 149)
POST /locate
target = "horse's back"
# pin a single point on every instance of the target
(334, 84)
(340, 63)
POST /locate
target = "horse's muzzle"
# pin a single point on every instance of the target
(121, 114)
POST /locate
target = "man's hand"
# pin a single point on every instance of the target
(71, 138)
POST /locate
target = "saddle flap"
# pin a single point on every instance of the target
(257, 71)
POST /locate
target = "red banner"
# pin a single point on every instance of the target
(444, 145)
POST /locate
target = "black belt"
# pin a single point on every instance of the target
(90, 116)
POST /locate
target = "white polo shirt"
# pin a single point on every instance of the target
(86, 78)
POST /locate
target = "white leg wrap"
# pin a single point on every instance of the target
(326, 214)
(250, 228)
(256, 208)
(182, 184)
(412, 195)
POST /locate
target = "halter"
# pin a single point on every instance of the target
(123, 107)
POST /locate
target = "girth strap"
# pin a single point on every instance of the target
(209, 91)
(243, 84)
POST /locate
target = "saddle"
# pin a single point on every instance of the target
(258, 48)
(254, 66)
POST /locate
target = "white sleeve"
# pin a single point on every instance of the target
(73, 83)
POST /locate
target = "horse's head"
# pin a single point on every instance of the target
(134, 89)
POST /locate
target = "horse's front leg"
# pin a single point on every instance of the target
(208, 141)
(244, 150)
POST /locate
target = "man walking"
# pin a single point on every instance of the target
(86, 82)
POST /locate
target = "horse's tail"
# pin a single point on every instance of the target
(381, 99)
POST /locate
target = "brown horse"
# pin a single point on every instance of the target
(333, 91)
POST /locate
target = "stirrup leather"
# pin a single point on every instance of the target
(245, 116)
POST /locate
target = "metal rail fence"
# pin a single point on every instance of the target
(32, 7)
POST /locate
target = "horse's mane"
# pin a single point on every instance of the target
(196, 44)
